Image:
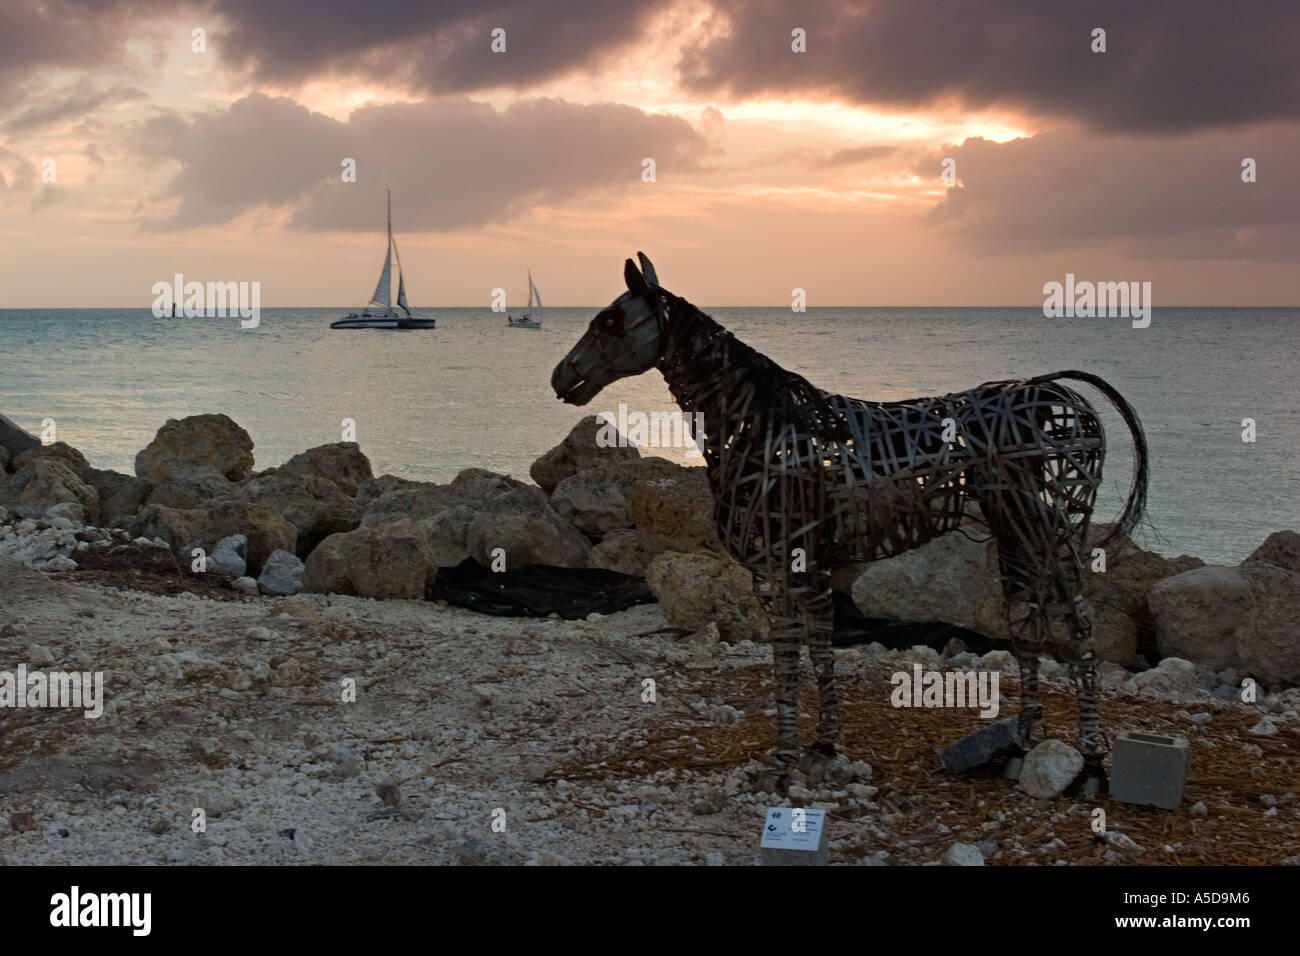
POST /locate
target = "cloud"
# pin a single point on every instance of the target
(451, 162)
(45, 35)
(439, 48)
(855, 154)
(1169, 65)
(71, 103)
(1171, 197)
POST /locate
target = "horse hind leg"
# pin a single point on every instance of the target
(1027, 637)
(1091, 742)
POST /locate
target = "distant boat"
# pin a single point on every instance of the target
(380, 314)
(530, 319)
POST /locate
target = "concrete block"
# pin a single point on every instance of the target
(1149, 769)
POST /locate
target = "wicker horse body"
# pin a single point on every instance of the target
(805, 480)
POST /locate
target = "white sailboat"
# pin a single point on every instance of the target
(379, 313)
(530, 319)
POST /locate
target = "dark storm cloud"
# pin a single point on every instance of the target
(450, 162)
(1169, 65)
(1171, 197)
(436, 47)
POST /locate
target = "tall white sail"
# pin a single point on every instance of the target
(533, 297)
(383, 295)
(383, 291)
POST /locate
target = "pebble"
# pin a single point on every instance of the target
(964, 854)
(40, 656)
(1265, 728)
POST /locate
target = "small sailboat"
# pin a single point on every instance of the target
(530, 319)
(379, 313)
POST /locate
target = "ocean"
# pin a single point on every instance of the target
(473, 393)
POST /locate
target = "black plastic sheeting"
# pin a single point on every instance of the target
(538, 590)
(573, 593)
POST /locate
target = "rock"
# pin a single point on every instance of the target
(178, 528)
(964, 854)
(1264, 728)
(522, 522)
(281, 574)
(441, 512)
(1172, 677)
(676, 513)
(951, 579)
(627, 552)
(38, 655)
(60, 451)
(382, 561)
(1280, 549)
(193, 489)
(44, 482)
(598, 499)
(15, 440)
(58, 563)
(245, 585)
(978, 748)
(1199, 614)
(228, 556)
(526, 539)
(1004, 662)
(1049, 768)
(124, 501)
(342, 464)
(313, 505)
(73, 511)
(376, 488)
(106, 484)
(478, 512)
(593, 502)
(197, 443)
(578, 452)
(1122, 840)
(696, 589)
(1268, 643)
(4, 459)
(263, 526)
(1121, 616)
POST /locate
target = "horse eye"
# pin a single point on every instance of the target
(611, 324)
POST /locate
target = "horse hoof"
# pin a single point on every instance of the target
(1090, 782)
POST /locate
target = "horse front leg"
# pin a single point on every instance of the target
(786, 636)
(819, 621)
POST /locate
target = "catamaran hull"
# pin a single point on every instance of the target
(522, 324)
(384, 323)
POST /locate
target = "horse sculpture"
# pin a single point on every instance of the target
(804, 480)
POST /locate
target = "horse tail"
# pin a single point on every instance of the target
(1136, 504)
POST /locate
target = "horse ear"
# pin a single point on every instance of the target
(648, 269)
(636, 283)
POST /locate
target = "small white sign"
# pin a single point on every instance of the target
(788, 828)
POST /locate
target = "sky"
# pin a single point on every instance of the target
(869, 152)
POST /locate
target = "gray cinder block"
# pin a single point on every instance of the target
(977, 749)
(1149, 769)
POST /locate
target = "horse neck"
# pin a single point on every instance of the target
(711, 373)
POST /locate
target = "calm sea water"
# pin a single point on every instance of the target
(475, 393)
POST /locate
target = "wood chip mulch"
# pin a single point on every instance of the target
(917, 797)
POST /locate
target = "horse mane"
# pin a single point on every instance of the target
(786, 395)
